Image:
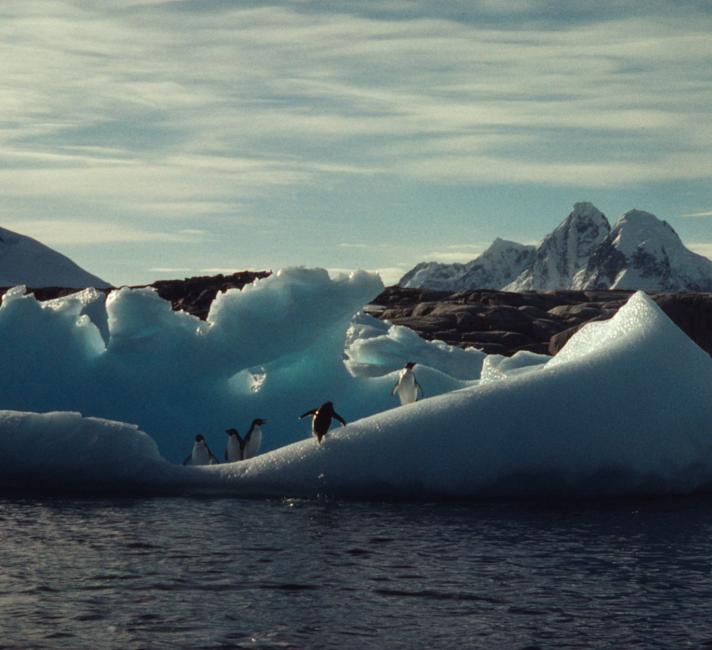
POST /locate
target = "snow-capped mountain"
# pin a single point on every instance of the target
(643, 252)
(24, 260)
(565, 251)
(640, 252)
(498, 265)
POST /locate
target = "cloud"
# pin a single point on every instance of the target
(167, 270)
(701, 248)
(83, 232)
(256, 73)
(706, 213)
(367, 246)
(164, 109)
(583, 173)
(192, 232)
(227, 270)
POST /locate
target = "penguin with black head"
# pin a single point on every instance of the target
(201, 454)
(323, 415)
(235, 448)
(239, 448)
(253, 438)
(407, 386)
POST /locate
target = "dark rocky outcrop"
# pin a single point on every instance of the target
(195, 295)
(504, 323)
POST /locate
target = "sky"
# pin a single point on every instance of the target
(153, 139)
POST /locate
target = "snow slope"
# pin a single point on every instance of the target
(625, 408)
(501, 263)
(24, 260)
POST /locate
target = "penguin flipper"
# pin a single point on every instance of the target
(395, 388)
(312, 412)
(212, 455)
(419, 389)
(187, 459)
(340, 419)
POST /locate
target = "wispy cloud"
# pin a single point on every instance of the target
(163, 109)
(454, 256)
(255, 77)
(80, 232)
(704, 248)
(701, 215)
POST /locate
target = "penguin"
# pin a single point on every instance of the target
(201, 454)
(322, 419)
(407, 385)
(235, 449)
(253, 439)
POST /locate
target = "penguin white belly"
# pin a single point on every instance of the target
(407, 389)
(200, 456)
(252, 448)
(233, 449)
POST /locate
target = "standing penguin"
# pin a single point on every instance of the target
(235, 449)
(201, 454)
(407, 385)
(253, 439)
(322, 419)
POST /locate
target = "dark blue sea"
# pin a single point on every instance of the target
(231, 573)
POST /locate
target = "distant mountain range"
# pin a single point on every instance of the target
(24, 260)
(583, 252)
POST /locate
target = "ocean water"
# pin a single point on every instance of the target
(232, 573)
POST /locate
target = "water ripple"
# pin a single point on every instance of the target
(202, 573)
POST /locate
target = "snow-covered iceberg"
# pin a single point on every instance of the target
(625, 408)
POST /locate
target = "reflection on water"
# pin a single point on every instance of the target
(228, 573)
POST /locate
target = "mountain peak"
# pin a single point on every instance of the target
(565, 251)
(585, 208)
(637, 228)
(582, 252)
(644, 252)
(499, 246)
(499, 264)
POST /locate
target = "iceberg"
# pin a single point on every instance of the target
(375, 347)
(272, 350)
(624, 409)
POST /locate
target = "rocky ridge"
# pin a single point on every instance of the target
(500, 322)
